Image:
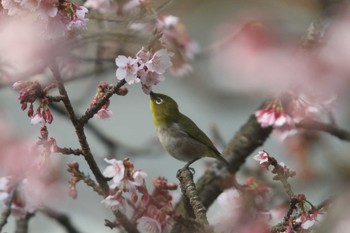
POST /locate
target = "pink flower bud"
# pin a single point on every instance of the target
(47, 116)
(72, 192)
(30, 110)
(24, 106)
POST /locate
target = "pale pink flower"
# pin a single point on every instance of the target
(150, 79)
(104, 113)
(131, 5)
(37, 119)
(229, 203)
(139, 177)
(276, 118)
(21, 40)
(4, 188)
(262, 157)
(148, 225)
(127, 69)
(116, 171)
(143, 55)
(169, 21)
(115, 203)
(79, 23)
(103, 6)
(160, 62)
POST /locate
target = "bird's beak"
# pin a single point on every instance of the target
(153, 96)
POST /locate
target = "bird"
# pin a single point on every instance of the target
(178, 134)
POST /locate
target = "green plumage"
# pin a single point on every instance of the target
(178, 134)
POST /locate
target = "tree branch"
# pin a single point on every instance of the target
(325, 127)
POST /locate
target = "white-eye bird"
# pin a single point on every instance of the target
(178, 134)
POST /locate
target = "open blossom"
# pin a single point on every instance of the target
(263, 158)
(79, 22)
(4, 188)
(115, 202)
(103, 6)
(139, 177)
(37, 119)
(146, 68)
(104, 113)
(273, 117)
(127, 69)
(148, 225)
(175, 39)
(43, 9)
(160, 62)
(116, 171)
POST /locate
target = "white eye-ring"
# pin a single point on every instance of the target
(159, 100)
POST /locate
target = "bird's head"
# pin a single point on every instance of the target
(164, 109)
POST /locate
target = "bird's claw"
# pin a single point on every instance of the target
(186, 167)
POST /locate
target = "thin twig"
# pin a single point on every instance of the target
(97, 106)
(85, 148)
(79, 131)
(69, 151)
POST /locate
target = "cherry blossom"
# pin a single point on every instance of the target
(127, 69)
(103, 6)
(4, 188)
(139, 177)
(115, 202)
(104, 113)
(175, 39)
(148, 225)
(147, 68)
(37, 119)
(79, 22)
(275, 117)
(150, 79)
(263, 158)
(160, 62)
(116, 171)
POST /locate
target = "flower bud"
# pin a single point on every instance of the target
(122, 91)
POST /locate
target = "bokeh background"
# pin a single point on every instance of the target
(208, 95)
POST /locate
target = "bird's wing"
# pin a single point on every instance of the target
(196, 133)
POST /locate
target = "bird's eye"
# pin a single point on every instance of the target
(159, 101)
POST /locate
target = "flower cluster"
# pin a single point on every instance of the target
(265, 160)
(152, 210)
(243, 212)
(31, 182)
(63, 15)
(303, 216)
(175, 38)
(29, 92)
(147, 68)
(284, 115)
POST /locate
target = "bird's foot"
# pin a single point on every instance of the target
(186, 167)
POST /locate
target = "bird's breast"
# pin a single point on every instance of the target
(179, 144)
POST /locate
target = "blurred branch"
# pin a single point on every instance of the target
(61, 219)
(325, 127)
(22, 224)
